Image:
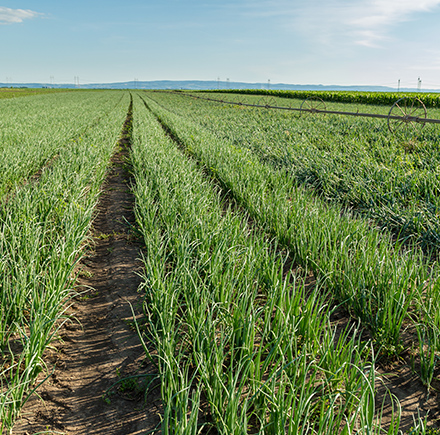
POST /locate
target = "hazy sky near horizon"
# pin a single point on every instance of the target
(341, 42)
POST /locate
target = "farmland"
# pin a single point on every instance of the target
(45, 220)
(24, 92)
(289, 277)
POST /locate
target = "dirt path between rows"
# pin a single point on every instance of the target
(100, 347)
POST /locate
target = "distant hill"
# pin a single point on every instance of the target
(201, 84)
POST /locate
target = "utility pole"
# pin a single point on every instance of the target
(268, 83)
(419, 84)
(398, 85)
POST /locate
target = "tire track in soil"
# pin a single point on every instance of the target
(100, 347)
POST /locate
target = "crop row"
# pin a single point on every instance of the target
(357, 163)
(43, 228)
(25, 92)
(242, 345)
(379, 98)
(34, 129)
(377, 282)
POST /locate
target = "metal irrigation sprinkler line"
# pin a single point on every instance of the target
(405, 119)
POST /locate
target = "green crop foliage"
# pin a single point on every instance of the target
(380, 281)
(377, 98)
(43, 227)
(358, 163)
(226, 320)
(25, 92)
(33, 130)
(239, 210)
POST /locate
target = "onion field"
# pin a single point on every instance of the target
(290, 261)
(349, 214)
(55, 151)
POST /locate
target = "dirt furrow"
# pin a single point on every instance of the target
(98, 349)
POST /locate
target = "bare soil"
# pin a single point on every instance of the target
(98, 348)
(400, 377)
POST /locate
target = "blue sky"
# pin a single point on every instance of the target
(342, 42)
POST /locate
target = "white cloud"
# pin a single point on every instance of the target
(372, 19)
(328, 22)
(12, 16)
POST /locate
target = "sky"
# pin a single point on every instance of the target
(330, 42)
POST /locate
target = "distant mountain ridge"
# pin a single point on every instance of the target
(214, 84)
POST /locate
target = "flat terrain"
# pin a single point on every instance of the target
(98, 346)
